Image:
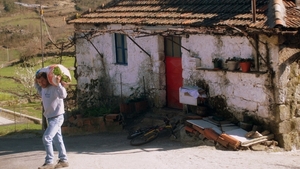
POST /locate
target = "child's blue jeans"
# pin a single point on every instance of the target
(52, 136)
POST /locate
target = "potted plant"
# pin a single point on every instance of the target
(245, 64)
(217, 63)
(139, 99)
(135, 103)
(232, 63)
(126, 107)
(141, 104)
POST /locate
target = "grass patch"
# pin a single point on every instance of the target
(21, 19)
(6, 96)
(20, 129)
(8, 55)
(8, 71)
(9, 85)
(33, 109)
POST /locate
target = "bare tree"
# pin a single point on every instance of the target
(26, 76)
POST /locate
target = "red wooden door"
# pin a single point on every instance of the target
(173, 81)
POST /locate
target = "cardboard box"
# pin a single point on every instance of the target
(186, 98)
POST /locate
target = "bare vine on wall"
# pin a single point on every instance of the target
(96, 94)
(147, 79)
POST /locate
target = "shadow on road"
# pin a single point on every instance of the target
(101, 143)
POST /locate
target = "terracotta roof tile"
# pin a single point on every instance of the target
(196, 13)
(293, 17)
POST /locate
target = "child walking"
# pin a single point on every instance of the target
(52, 98)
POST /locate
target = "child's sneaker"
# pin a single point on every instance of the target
(47, 166)
(62, 164)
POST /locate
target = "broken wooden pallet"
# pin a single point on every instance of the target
(257, 140)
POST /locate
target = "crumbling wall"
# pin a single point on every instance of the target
(288, 102)
(241, 94)
(98, 72)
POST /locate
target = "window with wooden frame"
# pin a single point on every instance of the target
(173, 46)
(121, 49)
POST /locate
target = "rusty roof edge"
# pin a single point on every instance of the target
(218, 30)
(208, 29)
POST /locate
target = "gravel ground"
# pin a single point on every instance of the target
(112, 150)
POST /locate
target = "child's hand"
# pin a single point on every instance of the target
(58, 79)
(64, 84)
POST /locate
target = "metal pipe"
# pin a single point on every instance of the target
(138, 45)
(253, 5)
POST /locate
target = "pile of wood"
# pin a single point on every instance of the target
(229, 135)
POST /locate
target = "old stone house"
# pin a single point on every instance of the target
(156, 46)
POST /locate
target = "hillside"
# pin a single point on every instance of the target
(20, 27)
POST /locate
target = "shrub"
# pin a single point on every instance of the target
(9, 6)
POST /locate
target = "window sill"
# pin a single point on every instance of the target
(121, 64)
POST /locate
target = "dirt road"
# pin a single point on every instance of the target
(112, 150)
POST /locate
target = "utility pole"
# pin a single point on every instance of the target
(41, 26)
(7, 54)
(44, 122)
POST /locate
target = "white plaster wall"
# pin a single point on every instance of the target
(142, 70)
(243, 92)
(208, 47)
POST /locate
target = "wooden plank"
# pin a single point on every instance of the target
(257, 140)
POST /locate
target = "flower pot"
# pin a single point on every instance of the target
(141, 106)
(232, 65)
(126, 108)
(218, 64)
(245, 66)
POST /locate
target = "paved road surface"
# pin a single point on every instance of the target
(4, 121)
(112, 151)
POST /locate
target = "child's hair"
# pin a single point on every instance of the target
(41, 74)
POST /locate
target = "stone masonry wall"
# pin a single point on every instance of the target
(288, 117)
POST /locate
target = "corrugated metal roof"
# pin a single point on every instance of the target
(195, 13)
